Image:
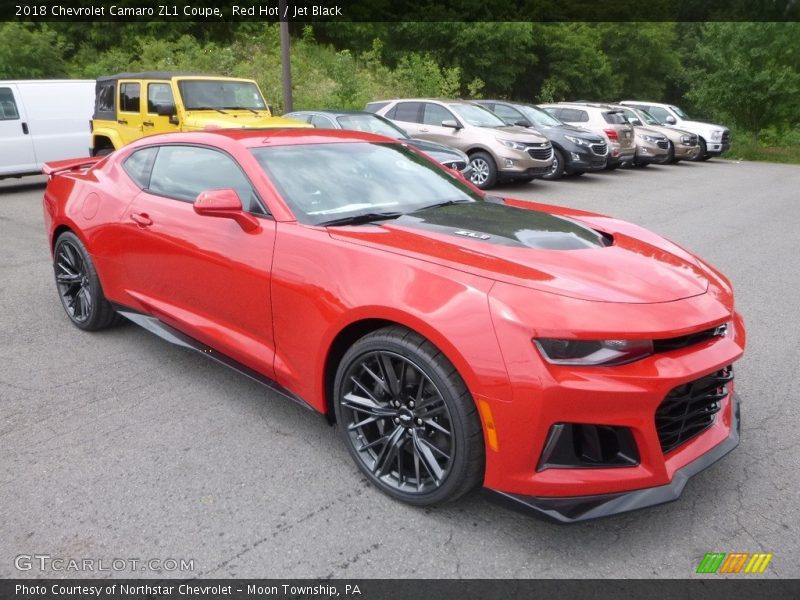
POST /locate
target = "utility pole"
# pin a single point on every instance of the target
(286, 65)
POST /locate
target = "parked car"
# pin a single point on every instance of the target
(575, 150)
(683, 145)
(604, 121)
(497, 152)
(652, 146)
(574, 364)
(42, 121)
(129, 106)
(372, 123)
(714, 140)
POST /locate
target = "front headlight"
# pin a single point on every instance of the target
(650, 139)
(716, 135)
(686, 139)
(588, 353)
(512, 144)
(577, 141)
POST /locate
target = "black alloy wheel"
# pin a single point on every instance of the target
(407, 418)
(79, 287)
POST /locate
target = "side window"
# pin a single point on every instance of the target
(659, 113)
(512, 115)
(104, 100)
(182, 172)
(407, 111)
(8, 107)
(322, 122)
(139, 164)
(158, 94)
(129, 97)
(435, 114)
(570, 114)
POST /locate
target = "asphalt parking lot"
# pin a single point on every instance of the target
(119, 445)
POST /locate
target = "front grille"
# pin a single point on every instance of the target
(726, 137)
(541, 153)
(600, 149)
(663, 144)
(684, 341)
(689, 409)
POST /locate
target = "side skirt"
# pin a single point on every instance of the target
(173, 336)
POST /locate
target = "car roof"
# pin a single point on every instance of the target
(254, 138)
(161, 75)
(333, 112)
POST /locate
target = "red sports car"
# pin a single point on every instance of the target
(570, 363)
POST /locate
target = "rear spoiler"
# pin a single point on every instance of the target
(70, 164)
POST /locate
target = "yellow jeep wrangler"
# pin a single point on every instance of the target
(129, 106)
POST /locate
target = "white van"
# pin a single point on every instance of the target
(42, 121)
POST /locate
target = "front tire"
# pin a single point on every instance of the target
(484, 170)
(79, 287)
(703, 154)
(558, 166)
(407, 418)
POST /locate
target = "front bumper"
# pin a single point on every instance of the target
(717, 148)
(584, 508)
(647, 153)
(684, 152)
(581, 159)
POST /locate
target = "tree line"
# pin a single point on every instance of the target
(745, 74)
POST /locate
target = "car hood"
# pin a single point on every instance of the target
(519, 134)
(574, 131)
(539, 250)
(200, 119)
(702, 124)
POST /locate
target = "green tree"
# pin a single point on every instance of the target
(31, 52)
(749, 73)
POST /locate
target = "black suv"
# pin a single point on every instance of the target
(575, 150)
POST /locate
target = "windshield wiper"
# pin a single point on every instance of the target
(241, 108)
(362, 218)
(208, 108)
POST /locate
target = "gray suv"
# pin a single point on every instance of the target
(497, 151)
(601, 119)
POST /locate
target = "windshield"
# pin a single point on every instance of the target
(212, 94)
(679, 112)
(647, 118)
(371, 124)
(326, 182)
(538, 117)
(477, 116)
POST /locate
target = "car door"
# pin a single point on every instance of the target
(408, 115)
(129, 110)
(158, 93)
(433, 115)
(16, 144)
(204, 275)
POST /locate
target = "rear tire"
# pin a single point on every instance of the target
(79, 287)
(484, 170)
(407, 418)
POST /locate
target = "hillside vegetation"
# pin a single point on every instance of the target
(746, 75)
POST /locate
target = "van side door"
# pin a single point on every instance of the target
(16, 150)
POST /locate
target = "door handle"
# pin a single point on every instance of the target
(148, 123)
(141, 219)
(122, 121)
(25, 128)
(424, 129)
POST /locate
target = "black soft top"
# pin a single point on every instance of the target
(150, 75)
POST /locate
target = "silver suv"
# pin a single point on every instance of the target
(497, 151)
(602, 119)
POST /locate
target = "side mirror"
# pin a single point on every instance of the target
(225, 203)
(451, 123)
(635, 122)
(522, 123)
(670, 120)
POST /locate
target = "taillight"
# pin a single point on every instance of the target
(612, 134)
